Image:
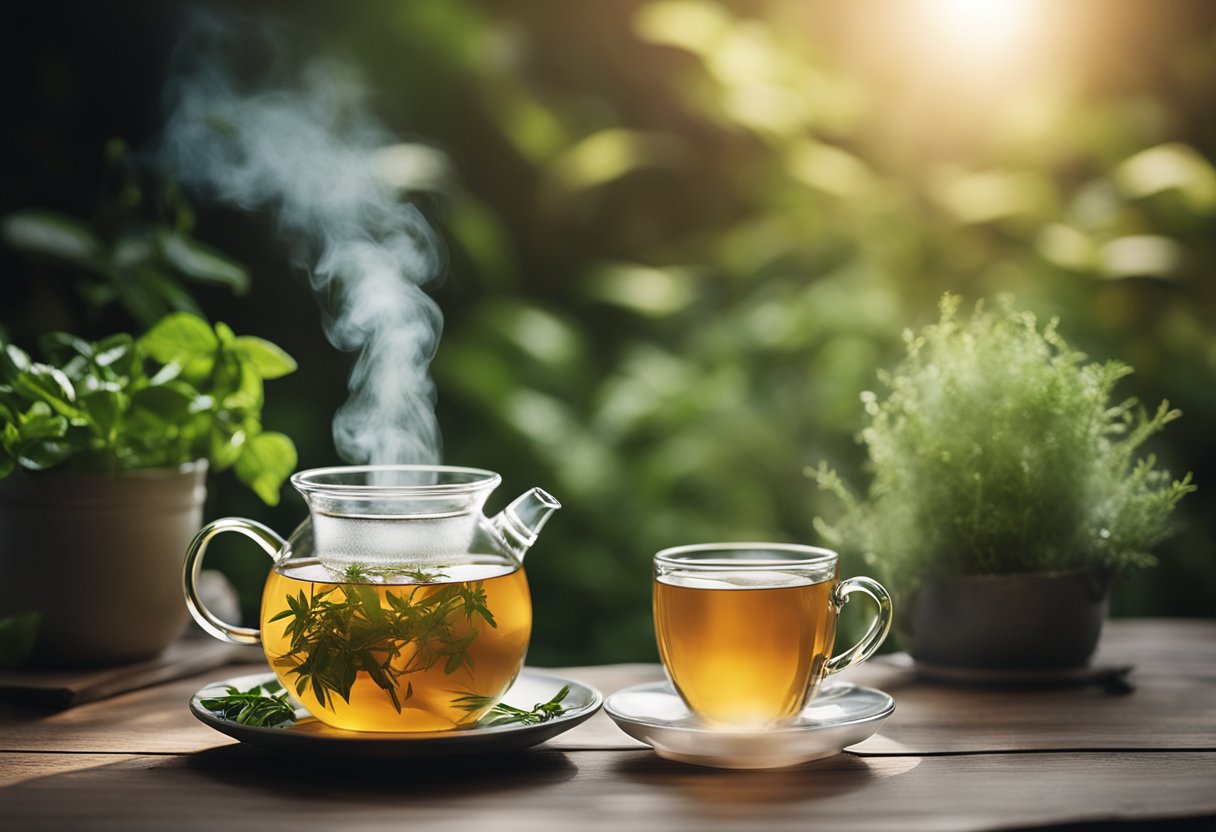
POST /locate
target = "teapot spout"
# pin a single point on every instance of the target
(520, 523)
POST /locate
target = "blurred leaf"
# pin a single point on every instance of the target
(104, 408)
(767, 109)
(1141, 255)
(95, 293)
(13, 359)
(542, 336)
(1067, 247)
(116, 352)
(265, 463)
(535, 131)
(484, 237)
(248, 393)
(225, 334)
(748, 57)
(61, 347)
(51, 235)
(18, 633)
(226, 446)
(688, 24)
(172, 401)
(40, 423)
(203, 263)
(11, 434)
(179, 336)
(269, 360)
(1170, 166)
(647, 381)
(412, 167)
(828, 169)
(143, 303)
(608, 155)
(41, 382)
(45, 453)
(645, 290)
(988, 196)
(131, 251)
(545, 419)
(170, 292)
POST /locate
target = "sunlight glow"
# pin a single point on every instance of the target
(981, 24)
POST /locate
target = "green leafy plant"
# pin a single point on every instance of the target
(343, 631)
(997, 449)
(183, 391)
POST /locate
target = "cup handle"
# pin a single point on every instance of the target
(263, 536)
(879, 627)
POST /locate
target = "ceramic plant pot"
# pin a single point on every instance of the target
(100, 558)
(1040, 621)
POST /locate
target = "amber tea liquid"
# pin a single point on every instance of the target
(427, 651)
(744, 649)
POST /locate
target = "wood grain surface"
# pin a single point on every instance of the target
(547, 789)
(952, 757)
(68, 688)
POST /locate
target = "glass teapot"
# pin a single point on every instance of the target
(398, 605)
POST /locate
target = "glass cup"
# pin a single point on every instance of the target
(746, 630)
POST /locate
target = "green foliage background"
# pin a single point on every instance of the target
(684, 236)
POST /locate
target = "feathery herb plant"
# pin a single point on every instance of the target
(997, 449)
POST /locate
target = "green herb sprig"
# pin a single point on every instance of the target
(504, 714)
(262, 705)
(412, 572)
(341, 632)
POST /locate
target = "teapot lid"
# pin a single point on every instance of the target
(379, 516)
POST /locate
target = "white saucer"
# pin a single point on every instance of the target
(841, 715)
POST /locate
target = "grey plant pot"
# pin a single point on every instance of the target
(1041, 621)
(100, 557)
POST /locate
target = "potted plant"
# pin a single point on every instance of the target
(1007, 491)
(103, 452)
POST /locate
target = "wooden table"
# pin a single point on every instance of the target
(950, 758)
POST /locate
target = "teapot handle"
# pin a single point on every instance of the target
(263, 536)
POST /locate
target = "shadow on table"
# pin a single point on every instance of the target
(250, 768)
(806, 783)
(260, 789)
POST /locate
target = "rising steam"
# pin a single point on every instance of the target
(307, 151)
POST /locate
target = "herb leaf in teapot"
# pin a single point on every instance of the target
(343, 630)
